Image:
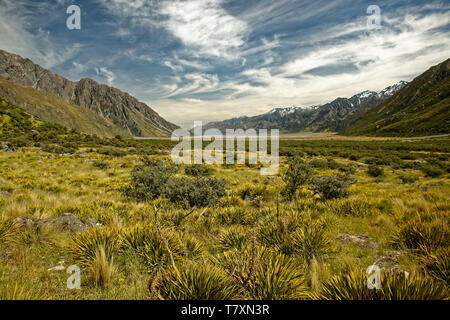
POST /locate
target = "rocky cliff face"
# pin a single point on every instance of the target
(123, 109)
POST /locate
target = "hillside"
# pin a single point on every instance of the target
(116, 111)
(54, 109)
(421, 108)
(333, 116)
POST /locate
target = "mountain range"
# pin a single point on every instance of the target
(421, 108)
(418, 108)
(84, 105)
(333, 116)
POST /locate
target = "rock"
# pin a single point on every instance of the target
(389, 261)
(360, 164)
(361, 240)
(5, 194)
(67, 221)
(93, 223)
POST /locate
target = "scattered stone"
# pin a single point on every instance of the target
(5, 194)
(67, 221)
(389, 261)
(361, 240)
(93, 223)
(360, 164)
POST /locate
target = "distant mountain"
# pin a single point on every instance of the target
(333, 116)
(421, 108)
(108, 108)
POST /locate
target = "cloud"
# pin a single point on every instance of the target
(205, 26)
(106, 74)
(20, 35)
(406, 46)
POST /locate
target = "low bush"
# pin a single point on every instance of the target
(101, 164)
(298, 174)
(375, 171)
(147, 183)
(431, 171)
(199, 192)
(407, 179)
(197, 170)
(331, 187)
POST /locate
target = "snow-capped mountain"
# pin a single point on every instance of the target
(333, 116)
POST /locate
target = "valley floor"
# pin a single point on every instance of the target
(253, 244)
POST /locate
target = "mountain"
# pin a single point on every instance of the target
(57, 99)
(421, 108)
(333, 116)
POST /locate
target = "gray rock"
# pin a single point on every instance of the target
(361, 240)
(67, 221)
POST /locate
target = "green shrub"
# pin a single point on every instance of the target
(18, 142)
(319, 163)
(375, 171)
(147, 183)
(298, 174)
(197, 170)
(331, 187)
(190, 192)
(407, 179)
(101, 164)
(333, 164)
(432, 171)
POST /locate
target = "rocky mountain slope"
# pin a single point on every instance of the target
(333, 116)
(422, 108)
(118, 110)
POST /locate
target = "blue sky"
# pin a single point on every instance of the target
(216, 59)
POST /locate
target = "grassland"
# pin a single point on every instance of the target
(254, 243)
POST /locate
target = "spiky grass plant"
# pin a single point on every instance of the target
(144, 242)
(84, 245)
(311, 242)
(233, 238)
(195, 282)
(422, 237)
(437, 265)
(267, 276)
(277, 232)
(9, 231)
(17, 291)
(102, 268)
(394, 286)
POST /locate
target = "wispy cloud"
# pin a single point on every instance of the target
(20, 35)
(106, 74)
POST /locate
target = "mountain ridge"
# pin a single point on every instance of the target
(333, 116)
(420, 108)
(132, 117)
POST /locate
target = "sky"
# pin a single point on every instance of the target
(209, 60)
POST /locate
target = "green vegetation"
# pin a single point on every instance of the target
(420, 109)
(159, 231)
